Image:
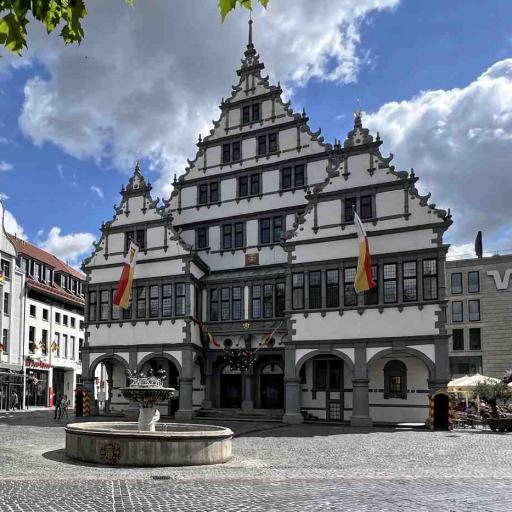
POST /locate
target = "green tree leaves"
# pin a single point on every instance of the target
(16, 14)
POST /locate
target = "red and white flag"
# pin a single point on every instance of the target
(124, 288)
(363, 281)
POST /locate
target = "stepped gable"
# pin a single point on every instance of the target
(137, 207)
(360, 141)
(251, 85)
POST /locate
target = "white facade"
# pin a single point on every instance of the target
(258, 238)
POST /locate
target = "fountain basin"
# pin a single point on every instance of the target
(171, 444)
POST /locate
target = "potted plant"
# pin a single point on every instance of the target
(497, 394)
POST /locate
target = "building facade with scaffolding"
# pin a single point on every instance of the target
(243, 289)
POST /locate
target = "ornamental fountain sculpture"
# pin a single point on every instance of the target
(147, 391)
(148, 442)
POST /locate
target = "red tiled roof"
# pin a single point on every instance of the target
(54, 290)
(42, 256)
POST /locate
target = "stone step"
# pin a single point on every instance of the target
(254, 414)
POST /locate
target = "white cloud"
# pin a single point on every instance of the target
(12, 226)
(3, 196)
(97, 191)
(146, 85)
(5, 166)
(70, 247)
(459, 142)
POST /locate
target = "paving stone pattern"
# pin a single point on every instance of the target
(275, 468)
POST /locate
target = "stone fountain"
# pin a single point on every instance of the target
(148, 442)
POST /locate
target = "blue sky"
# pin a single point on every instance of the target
(67, 142)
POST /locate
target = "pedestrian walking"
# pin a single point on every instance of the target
(14, 400)
(64, 404)
(58, 400)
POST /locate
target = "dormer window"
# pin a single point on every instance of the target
(231, 152)
(267, 143)
(138, 236)
(251, 113)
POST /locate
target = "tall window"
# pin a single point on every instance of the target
(45, 314)
(224, 304)
(180, 299)
(57, 318)
(141, 301)
(166, 300)
(44, 341)
(65, 317)
(458, 339)
(214, 305)
(32, 310)
(475, 339)
(292, 177)
(409, 281)
(72, 341)
(457, 311)
(349, 291)
(208, 193)
(365, 207)
(280, 299)
(6, 269)
(116, 310)
(239, 234)
(298, 290)
(104, 307)
(31, 338)
(268, 300)
(127, 312)
(251, 113)
(65, 346)
(236, 305)
(332, 280)
(255, 184)
(315, 290)
(154, 300)
(227, 236)
(395, 379)
(231, 152)
(474, 310)
(430, 279)
(256, 301)
(202, 238)
(371, 296)
(5, 340)
(350, 205)
(267, 144)
(138, 236)
(456, 282)
(390, 283)
(271, 229)
(243, 186)
(474, 281)
(92, 306)
(57, 344)
(6, 303)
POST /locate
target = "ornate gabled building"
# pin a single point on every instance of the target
(257, 242)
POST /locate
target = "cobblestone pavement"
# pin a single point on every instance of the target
(275, 468)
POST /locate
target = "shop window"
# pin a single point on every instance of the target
(395, 380)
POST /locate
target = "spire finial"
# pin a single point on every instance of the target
(250, 28)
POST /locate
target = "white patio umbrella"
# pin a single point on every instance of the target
(466, 384)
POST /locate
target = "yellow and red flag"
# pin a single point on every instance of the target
(124, 287)
(363, 281)
(209, 335)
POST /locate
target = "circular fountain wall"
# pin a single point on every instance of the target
(171, 444)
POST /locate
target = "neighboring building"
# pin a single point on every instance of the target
(54, 324)
(258, 237)
(480, 315)
(12, 284)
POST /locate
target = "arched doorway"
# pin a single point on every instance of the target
(171, 381)
(230, 388)
(271, 387)
(109, 376)
(441, 411)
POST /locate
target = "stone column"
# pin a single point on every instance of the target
(185, 412)
(247, 386)
(360, 396)
(441, 374)
(132, 411)
(292, 412)
(208, 384)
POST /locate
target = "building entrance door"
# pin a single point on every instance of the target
(230, 388)
(271, 387)
(328, 377)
